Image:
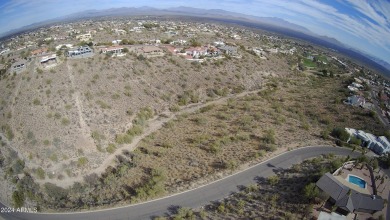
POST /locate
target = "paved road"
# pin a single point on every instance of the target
(197, 197)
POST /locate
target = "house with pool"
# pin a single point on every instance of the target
(352, 189)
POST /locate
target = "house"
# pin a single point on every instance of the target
(117, 50)
(38, 52)
(273, 50)
(348, 200)
(155, 41)
(229, 50)
(196, 52)
(46, 59)
(355, 100)
(79, 52)
(219, 43)
(120, 32)
(236, 37)
(378, 145)
(18, 66)
(4, 51)
(151, 51)
(179, 42)
(84, 37)
(116, 41)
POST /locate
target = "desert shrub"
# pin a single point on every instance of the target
(18, 199)
(55, 192)
(97, 136)
(166, 145)
(269, 137)
(135, 130)
(68, 107)
(200, 121)
(54, 157)
(207, 108)
(65, 121)
(215, 148)
(273, 180)
(270, 147)
(324, 134)
(152, 187)
(185, 213)
(231, 165)
(103, 105)
(310, 191)
(174, 108)
(115, 96)
(40, 173)
(242, 136)
(18, 166)
(123, 139)
(222, 116)
(39, 71)
(57, 115)
(143, 115)
(169, 124)
(82, 161)
(9, 134)
(46, 142)
(111, 148)
(36, 101)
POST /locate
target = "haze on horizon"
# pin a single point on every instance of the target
(363, 25)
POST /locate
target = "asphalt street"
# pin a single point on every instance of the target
(194, 198)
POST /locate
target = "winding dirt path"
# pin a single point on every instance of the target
(154, 125)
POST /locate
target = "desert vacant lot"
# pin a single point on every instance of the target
(198, 147)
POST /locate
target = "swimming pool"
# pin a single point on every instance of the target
(357, 181)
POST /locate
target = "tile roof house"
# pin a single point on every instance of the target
(151, 50)
(39, 51)
(195, 52)
(348, 200)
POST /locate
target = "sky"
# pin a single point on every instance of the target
(361, 24)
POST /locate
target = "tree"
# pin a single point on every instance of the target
(375, 164)
(341, 134)
(58, 53)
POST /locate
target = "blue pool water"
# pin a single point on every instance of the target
(357, 181)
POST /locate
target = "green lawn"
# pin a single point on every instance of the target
(309, 63)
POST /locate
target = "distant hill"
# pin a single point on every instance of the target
(267, 23)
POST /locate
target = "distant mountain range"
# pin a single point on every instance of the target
(267, 23)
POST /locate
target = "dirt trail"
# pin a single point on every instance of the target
(153, 125)
(84, 128)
